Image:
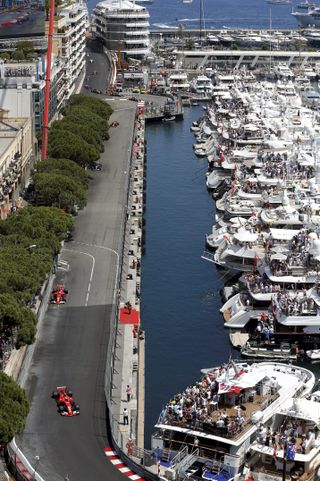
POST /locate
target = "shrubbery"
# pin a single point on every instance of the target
(14, 408)
(29, 239)
(79, 136)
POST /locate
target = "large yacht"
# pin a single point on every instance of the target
(310, 18)
(203, 86)
(239, 415)
(122, 25)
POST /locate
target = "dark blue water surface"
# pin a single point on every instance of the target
(219, 14)
(180, 291)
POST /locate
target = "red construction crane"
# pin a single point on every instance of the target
(45, 126)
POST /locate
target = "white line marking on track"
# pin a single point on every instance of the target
(91, 273)
(110, 250)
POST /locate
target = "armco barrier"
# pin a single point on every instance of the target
(135, 467)
(115, 437)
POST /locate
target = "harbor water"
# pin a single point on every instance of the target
(180, 291)
(218, 14)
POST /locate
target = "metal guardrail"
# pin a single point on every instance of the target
(146, 457)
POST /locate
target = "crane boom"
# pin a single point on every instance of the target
(45, 126)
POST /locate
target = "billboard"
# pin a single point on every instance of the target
(21, 19)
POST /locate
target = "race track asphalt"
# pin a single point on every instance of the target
(73, 338)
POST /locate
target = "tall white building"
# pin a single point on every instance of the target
(70, 27)
(22, 85)
(122, 25)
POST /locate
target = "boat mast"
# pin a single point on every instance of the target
(201, 15)
(270, 43)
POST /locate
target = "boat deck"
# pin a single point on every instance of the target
(230, 430)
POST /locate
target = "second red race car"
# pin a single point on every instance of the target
(65, 402)
(59, 295)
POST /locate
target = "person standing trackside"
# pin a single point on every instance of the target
(129, 392)
(125, 416)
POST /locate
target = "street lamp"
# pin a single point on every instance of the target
(37, 459)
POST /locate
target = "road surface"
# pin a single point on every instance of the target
(73, 339)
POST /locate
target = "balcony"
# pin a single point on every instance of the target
(135, 41)
(138, 33)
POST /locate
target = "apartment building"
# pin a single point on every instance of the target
(70, 29)
(16, 158)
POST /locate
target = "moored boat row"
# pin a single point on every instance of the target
(257, 420)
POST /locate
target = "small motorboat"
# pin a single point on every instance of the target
(169, 119)
(313, 354)
(285, 351)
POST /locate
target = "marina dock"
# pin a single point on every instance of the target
(154, 112)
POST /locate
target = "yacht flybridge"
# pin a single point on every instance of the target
(239, 415)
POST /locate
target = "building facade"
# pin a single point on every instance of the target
(16, 158)
(22, 85)
(69, 43)
(122, 26)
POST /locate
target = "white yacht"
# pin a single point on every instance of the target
(279, 2)
(203, 86)
(283, 71)
(218, 426)
(240, 309)
(310, 18)
(178, 81)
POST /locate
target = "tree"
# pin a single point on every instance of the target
(66, 167)
(10, 314)
(5, 55)
(14, 408)
(189, 44)
(18, 55)
(67, 145)
(96, 106)
(26, 48)
(80, 113)
(58, 190)
(88, 134)
(28, 329)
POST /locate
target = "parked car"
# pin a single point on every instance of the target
(94, 166)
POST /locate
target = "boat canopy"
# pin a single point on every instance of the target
(283, 234)
(246, 236)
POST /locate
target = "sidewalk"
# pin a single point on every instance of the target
(130, 343)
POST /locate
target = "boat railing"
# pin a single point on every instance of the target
(180, 456)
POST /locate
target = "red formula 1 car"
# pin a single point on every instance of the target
(65, 402)
(59, 295)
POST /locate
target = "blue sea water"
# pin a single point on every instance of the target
(180, 291)
(219, 14)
